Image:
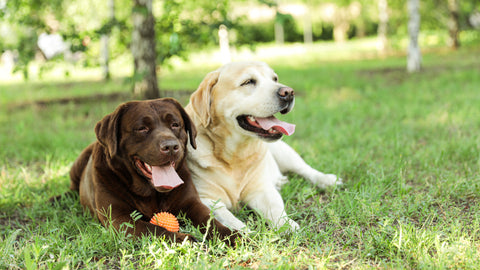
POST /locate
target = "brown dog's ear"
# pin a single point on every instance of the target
(200, 99)
(108, 130)
(189, 126)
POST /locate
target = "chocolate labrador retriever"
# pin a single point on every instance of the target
(137, 164)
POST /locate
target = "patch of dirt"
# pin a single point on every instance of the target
(13, 220)
(181, 95)
(397, 75)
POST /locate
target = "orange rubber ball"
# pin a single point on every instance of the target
(166, 220)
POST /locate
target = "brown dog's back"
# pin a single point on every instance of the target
(79, 166)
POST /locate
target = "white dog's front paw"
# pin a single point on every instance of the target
(246, 230)
(287, 225)
(325, 180)
(293, 225)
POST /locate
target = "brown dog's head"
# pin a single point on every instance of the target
(151, 136)
(243, 97)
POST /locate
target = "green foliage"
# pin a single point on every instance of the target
(322, 31)
(434, 15)
(28, 16)
(168, 26)
(247, 33)
(179, 33)
(27, 40)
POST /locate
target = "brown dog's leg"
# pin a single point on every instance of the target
(146, 228)
(118, 216)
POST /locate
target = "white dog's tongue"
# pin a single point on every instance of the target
(272, 122)
(165, 177)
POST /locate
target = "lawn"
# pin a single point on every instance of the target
(407, 147)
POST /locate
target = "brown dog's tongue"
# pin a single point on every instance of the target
(272, 122)
(165, 177)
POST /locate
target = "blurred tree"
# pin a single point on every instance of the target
(453, 24)
(307, 24)
(143, 51)
(29, 18)
(382, 25)
(182, 26)
(105, 37)
(185, 26)
(414, 57)
(344, 12)
(280, 19)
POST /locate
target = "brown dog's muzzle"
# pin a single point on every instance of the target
(169, 147)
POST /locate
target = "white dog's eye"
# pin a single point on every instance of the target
(275, 79)
(249, 81)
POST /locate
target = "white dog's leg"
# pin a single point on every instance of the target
(224, 216)
(270, 205)
(290, 161)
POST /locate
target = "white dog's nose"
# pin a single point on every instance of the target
(286, 93)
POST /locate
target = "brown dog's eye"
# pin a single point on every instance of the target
(249, 81)
(143, 129)
(175, 125)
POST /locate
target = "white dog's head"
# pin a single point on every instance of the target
(244, 96)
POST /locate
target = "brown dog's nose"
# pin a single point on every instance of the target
(286, 93)
(169, 147)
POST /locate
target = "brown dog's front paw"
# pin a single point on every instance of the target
(181, 237)
(230, 237)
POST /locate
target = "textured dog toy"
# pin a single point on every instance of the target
(165, 220)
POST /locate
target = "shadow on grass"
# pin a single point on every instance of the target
(180, 95)
(398, 74)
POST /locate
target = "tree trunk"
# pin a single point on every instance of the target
(143, 51)
(105, 57)
(453, 24)
(382, 26)
(307, 29)
(279, 37)
(279, 21)
(340, 30)
(224, 44)
(341, 24)
(104, 39)
(414, 57)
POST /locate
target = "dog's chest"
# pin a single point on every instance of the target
(253, 175)
(232, 173)
(150, 205)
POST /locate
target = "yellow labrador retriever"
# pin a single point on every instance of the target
(240, 157)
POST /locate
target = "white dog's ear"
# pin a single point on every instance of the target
(201, 99)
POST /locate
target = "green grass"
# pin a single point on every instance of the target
(407, 147)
